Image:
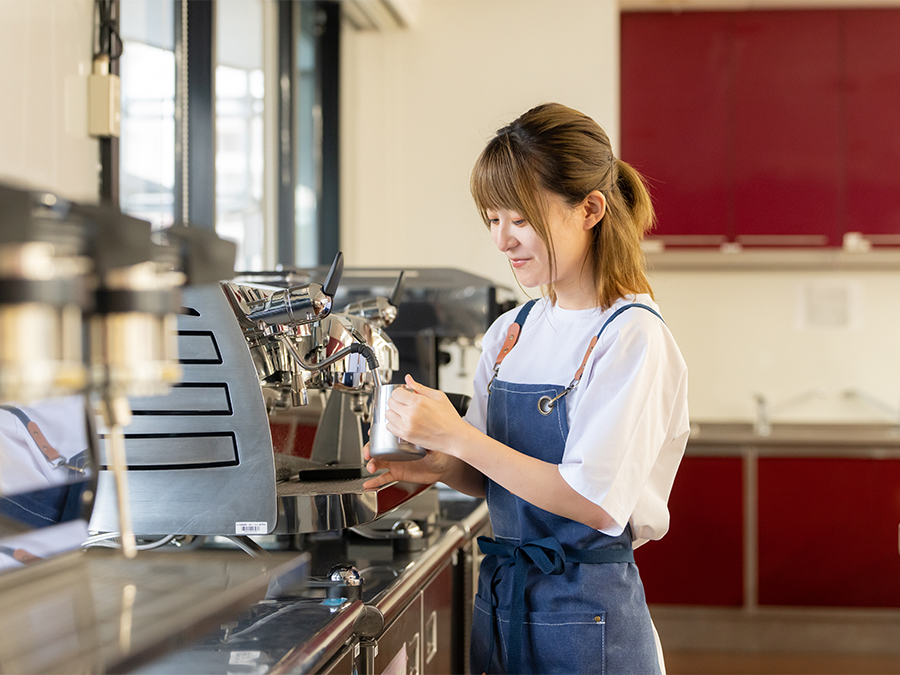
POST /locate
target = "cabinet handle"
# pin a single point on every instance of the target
(431, 638)
(414, 655)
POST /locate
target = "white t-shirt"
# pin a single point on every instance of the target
(628, 417)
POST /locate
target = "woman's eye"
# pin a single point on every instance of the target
(494, 221)
(519, 223)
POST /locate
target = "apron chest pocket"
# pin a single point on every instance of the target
(552, 642)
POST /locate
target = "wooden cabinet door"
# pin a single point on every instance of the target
(700, 560)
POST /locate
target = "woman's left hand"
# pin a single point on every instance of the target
(426, 417)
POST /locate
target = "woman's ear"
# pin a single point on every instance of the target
(594, 208)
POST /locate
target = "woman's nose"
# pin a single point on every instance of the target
(503, 236)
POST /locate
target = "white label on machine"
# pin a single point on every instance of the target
(243, 658)
(251, 528)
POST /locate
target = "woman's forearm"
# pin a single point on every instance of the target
(534, 480)
(464, 478)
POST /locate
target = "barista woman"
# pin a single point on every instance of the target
(579, 418)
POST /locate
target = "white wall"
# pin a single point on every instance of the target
(418, 106)
(782, 335)
(45, 48)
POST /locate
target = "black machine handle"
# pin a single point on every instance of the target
(330, 286)
(397, 293)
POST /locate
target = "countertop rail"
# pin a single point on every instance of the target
(311, 655)
(394, 599)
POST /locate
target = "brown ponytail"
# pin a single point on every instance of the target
(565, 152)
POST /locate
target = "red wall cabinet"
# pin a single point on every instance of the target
(786, 127)
(873, 120)
(765, 127)
(700, 560)
(675, 118)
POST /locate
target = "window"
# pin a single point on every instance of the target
(240, 126)
(147, 141)
(231, 163)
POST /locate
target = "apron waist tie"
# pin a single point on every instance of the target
(550, 557)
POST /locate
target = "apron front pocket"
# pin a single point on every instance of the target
(562, 643)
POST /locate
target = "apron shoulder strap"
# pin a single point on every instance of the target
(546, 404)
(48, 451)
(596, 338)
(512, 336)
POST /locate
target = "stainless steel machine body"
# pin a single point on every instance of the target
(199, 458)
(202, 459)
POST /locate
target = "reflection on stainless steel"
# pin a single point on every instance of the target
(323, 645)
(322, 632)
(98, 612)
(64, 265)
(315, 506)
(126, 617)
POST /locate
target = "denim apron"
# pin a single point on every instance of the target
(555, 596)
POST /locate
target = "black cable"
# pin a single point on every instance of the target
(109, 41)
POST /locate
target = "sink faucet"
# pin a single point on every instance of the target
(874, 402)
(762, 425)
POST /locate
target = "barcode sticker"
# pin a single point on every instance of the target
(243, 658)
(251, 528)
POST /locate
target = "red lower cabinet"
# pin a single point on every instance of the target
(700, 560)
(828, 532)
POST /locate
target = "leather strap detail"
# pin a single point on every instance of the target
(24, 556)
(47, 450)
(43, 444)
(512, 336)
(587, 355)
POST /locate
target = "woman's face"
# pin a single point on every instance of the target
(529, 257)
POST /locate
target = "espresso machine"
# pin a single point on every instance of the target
(263, 434)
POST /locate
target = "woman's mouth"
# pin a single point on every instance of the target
(517, 262)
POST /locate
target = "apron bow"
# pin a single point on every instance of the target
(550, 557)
(547, 555)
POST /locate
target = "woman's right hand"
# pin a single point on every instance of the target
(430, 469)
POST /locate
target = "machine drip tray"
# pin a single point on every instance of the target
(322, 505)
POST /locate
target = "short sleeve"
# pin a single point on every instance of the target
(631, 408)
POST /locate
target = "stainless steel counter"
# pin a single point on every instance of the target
(820, 436)
(308, 634)
(96, 611)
